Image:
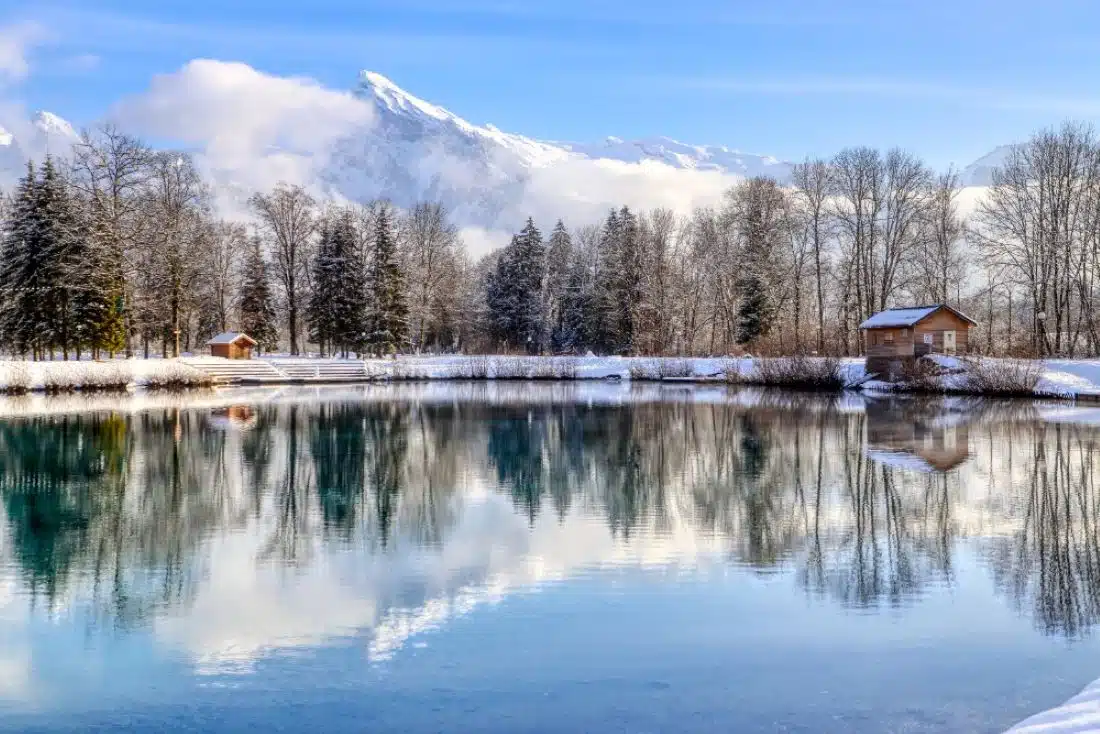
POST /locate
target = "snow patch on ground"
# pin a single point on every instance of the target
(1078, 715)
(88, 375)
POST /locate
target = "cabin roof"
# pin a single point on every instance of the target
(909, 316)
(231, 337)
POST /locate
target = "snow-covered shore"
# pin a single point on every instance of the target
(1059, 378)
(117, 374)
(1079, 715)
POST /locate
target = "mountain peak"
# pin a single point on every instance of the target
(397, 100)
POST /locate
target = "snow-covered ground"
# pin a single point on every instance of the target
(19, 376)
(1079, 715)
(1061, 378)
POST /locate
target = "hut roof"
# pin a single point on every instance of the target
(231, 337)
(909, 316)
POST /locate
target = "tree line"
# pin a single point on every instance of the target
(117, 249)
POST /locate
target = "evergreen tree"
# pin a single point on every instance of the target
(389, 315)
(78, 297)
(349, 286)
(321, 307)
(559, 261)
(754, 313)
(628, 285)
(602, 307)
(20, 318)
(574, 331)
(101, 306)
(515, 293)
(256, 303)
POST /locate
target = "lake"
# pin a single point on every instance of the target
(544, 557)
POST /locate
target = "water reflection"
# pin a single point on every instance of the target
(395, 508)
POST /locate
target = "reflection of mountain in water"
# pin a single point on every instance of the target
(398, 513)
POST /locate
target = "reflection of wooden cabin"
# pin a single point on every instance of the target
(235, 417)
(905, 437)
(898, 336)
(232, 345)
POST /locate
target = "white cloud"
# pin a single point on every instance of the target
(16, 41)
(582, 189)
(254, 128)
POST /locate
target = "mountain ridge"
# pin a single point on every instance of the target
(413, 149)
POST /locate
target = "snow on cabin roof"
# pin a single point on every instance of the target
(229, 337)
(907, 316)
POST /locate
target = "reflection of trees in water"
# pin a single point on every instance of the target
(1052, 562)
(128, 502)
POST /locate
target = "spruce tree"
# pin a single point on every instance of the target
(101, 305)
(257, 307)
(388, 322)
(602, 308)
(349, 287)
(321, 307)
(515, 295)
(754, 313)
(500, 296)
(559, 261)
(18, 305)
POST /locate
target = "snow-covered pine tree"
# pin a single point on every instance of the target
(576, 305)
(20, 318)
(515, 291)
(500, 296)
(389, 315)
(602, 309)
(101, 307)
(629, 282)
(256, 304)
(530, 270)
(321, 307)
(70, 273)
(754, 313)
(559, 259)
(349, 287)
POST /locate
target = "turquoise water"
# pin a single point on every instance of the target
(544, 558)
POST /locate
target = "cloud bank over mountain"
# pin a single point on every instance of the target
(249, 129)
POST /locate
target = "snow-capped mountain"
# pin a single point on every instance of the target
(980, 172)
(414, 149)
(410, 150)
(45, 133)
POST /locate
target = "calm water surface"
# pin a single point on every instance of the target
(544, 558)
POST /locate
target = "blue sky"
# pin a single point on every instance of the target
(948, 80)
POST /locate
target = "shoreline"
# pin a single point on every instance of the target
(1062, 380)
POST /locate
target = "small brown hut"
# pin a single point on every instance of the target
(898, 336)
(232, 345)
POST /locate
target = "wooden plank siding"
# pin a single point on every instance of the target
(940, 322)
(892, 342)
(904, 338)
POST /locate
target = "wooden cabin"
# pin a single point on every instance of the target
(232, 345)
(897, 337)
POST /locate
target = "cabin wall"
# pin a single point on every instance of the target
(940, 322)
(231, 351)
(900, 346)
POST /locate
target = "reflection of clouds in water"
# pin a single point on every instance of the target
(379, 519)
(246, 609)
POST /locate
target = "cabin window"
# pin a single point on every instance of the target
(928, 339)
(905, 332)
(889, 336)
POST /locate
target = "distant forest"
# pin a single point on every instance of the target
(116, 249)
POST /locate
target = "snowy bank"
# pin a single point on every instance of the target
(1078, 715)
(119, 374)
